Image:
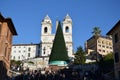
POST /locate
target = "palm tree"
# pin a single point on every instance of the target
(96, 31)
(96, 34)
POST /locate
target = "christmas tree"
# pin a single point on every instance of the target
(59, 53)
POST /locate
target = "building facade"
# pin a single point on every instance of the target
(115, 32)
(47, 37)
(7, 30)
(24, 51)
(43, 49)
(103, 45)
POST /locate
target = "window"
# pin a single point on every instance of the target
(44, 50)
(103, 50)
(67, 29)
(18, 57)
(110, 47)
(28, 54)
(19, 51)
(45, 30)
(116, 38)
(24, 51)
(14, 57)
(100, 50)
(29, 49)
(107, 46)
(99, 45)
(103, 42)
(116, 57)
(103, 46)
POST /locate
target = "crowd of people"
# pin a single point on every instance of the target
(39, 75)
(65, 74)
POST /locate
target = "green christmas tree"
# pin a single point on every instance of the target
(59, 52)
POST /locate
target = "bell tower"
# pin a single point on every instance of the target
(67, 25)
(46, 36)
(67, 31)
(46, 26)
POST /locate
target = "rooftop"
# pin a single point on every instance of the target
(106, 37)
(114, 27)
(24, 44)
(10, 24)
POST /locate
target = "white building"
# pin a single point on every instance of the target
(24, 51)
(47, 37)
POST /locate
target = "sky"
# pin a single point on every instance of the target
(86, 14)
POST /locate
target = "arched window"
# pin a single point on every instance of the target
(67, 29)
(45, 30)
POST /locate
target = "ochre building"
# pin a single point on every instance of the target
(7, 30)
(115, 32)
(103, 45)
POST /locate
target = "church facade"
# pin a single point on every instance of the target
(43, 49)
(47, 37)
(39, 53)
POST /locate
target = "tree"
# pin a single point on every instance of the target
(107, 63)
(79, 56)
(31, 62)
(59, 52)
(109, 56)
(15, 63)
(96, 33)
